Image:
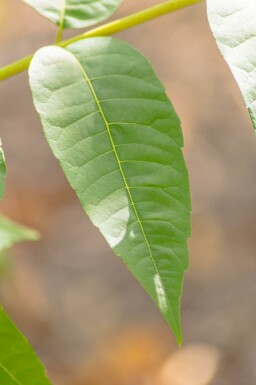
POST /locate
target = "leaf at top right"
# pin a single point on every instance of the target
(233, 23)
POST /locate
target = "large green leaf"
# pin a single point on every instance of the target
(234, 28)
(109, 122)
(75, 13)
(2, 171)
(11, 233)
(18, 363)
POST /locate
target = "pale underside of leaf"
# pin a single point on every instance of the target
(12, 233)
(2, 171)
(233, 24)
(75, 13)
(108, 120)
(18, 363)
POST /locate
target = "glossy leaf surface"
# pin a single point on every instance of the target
(234, 28)
(18, 363)
(75, 13)
(110, 123)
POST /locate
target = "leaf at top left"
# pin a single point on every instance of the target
(75, 13)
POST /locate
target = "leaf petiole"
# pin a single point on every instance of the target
(61, 24)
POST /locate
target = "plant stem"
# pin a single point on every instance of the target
(104, 30)
(61, 22)
(59, 35)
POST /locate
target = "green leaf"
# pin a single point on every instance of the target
(233, 26)
(11, 233)
(18, 363)
(108, 120)
(75, 13)
(2, 171)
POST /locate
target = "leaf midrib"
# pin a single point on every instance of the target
(10, 374)
(97, 101)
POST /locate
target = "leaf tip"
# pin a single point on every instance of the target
(179, 340)
(178, 336)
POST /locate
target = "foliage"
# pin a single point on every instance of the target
(108, 120)
(75, 13)
(118, 139)
(233, 26)
(18, 363)
(11, 233)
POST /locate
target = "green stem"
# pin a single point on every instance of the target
(59, 35)
(61, 22)
(106, 29)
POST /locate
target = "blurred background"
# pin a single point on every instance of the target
(86, 316)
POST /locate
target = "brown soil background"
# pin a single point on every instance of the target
(88, 319)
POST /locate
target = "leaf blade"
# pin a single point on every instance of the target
(233, 27)
(75, 13)
(19, 365)
(12, 233)
(118, 143)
